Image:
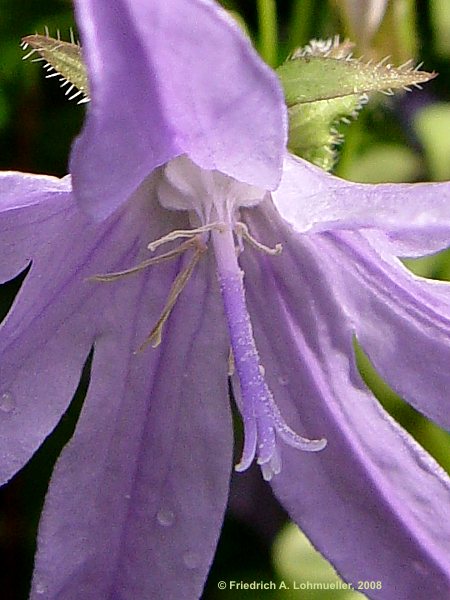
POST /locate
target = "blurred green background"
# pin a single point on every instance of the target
(401, 138)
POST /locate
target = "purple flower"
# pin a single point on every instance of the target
(186, 130)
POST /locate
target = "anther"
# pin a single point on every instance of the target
(184, 233)
(242, 230)
(145, 263)
(155, 336)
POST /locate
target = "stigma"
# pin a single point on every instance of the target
(264, 425)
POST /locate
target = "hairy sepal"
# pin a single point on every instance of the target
(324, 85)
(61, 58)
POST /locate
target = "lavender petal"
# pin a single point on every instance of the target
(161, 88)
(137, 499)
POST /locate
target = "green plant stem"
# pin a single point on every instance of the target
(268, 31)
(300, 23)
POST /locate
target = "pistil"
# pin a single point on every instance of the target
(263, 422)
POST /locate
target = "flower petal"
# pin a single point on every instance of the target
(413, 243)
(137, 498)
(34, 211)
(31, 208)
(57, 314)
(401, 320)
(169, 78)
(312, 200)
(373, 502)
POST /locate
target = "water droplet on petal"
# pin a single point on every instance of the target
(165, 517)
(7, 402)
(40, 588)
(191, 559)
(127, 496)
(283, 379)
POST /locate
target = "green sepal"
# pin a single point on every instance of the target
(310, 78)
(324, 85)
(62, 58)
(312, 134)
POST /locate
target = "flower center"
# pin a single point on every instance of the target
(209, 196)
(213, 201)
(215, 197)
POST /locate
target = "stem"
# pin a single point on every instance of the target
(300, 25)
(268, 31)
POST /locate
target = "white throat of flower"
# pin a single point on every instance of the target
(213, 200)
(210, 195)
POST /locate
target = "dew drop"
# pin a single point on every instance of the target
(165, 517)
(283, 379)
(7, 402)
(127, 496)
(40, 588)
(191, 560)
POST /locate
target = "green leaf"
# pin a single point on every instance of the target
(295, 560)
(60, 58)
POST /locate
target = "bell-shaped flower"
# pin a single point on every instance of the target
(185, 144)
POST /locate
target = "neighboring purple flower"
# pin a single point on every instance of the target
(187, 130)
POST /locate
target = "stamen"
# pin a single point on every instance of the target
(145, 263)
(184, 233)
(242, 230)
(155, 336)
